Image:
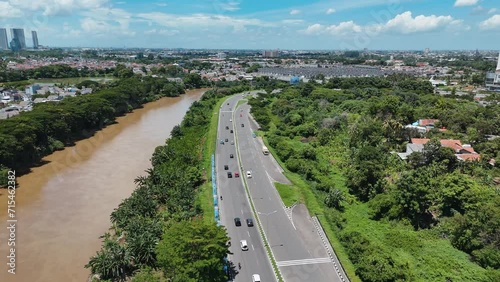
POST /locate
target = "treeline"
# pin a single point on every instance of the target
(341, 141)
(25, 139)
(51, 71)
(159, 234)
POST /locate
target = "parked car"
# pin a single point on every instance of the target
(227, 127)
(231, 156)
(227, 140)
(232, 142)
(256, 278)
(237, 221)
(249, 174)
(228, 104)
(236, 174)
(244, 245)
(230, 120)
(249, 222)
(242, 125)
(226, 167)
(231, 131)
(229, 174)
(222, 142)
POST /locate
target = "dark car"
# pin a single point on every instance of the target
(242, 125)
(231, 156)
(227, 127)
(249, 222)
(229, 174)
(231, 131)
(226, 167)
(227, 140)
(237, 221)
(228, 103)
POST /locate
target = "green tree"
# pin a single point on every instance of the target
(111, 262)
(193, 251)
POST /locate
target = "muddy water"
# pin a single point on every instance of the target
(63, 206)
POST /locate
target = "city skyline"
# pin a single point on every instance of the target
(228, 24)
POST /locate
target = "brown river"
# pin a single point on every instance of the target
(63, 206)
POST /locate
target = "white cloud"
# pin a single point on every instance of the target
(403, 23)
(344, 28)
(492, 10)
(200, 20)
(161, 4)
(462, 3)
(90, 25)
(314, 29)
(8, 11)
(330, 11)
(57, 7)
(478, 10)
(229, 6)
(492, 23)
(295, 12)
(166, 32)
(292, 21)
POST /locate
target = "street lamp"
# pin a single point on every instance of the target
(267, 219)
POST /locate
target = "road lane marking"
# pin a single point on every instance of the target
(253, 249)
(248, 233)
(303, 261)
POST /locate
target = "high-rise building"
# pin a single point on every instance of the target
(34, 36)
(498, 64)
(270, 53)
(4, 42)
(18, 37)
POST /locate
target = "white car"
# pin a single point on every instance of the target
(249, 174)
(256, 278)
(231, 120)
(244, 245)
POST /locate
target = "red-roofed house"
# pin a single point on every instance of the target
(463, 152)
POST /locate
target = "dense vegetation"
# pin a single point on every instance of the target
(51, 71)
(26, 138)
(158, 232)
(431, 218)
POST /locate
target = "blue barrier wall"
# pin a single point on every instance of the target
(214, 193)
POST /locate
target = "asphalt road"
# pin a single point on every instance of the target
(235, 204)
(294, 241)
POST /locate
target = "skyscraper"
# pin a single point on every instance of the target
(18, 37)
(4, 42)
(35, 39)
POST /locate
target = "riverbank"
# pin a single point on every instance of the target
(64, 205)
(27, 138)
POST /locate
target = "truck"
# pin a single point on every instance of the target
(265, 151)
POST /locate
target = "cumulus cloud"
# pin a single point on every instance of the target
(294, 12)
(492, 23)
(492, 10)
(330, 11)
(343, 28)
(403, 23)
(314, 29)
(462, 3)
(292, 21)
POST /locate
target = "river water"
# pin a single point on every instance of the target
(63, 206)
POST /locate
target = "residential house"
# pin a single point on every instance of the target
(463, 152)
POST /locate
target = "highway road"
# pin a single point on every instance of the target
(235, 203)
(292, 237)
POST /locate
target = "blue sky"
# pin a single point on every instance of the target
(257, 24)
